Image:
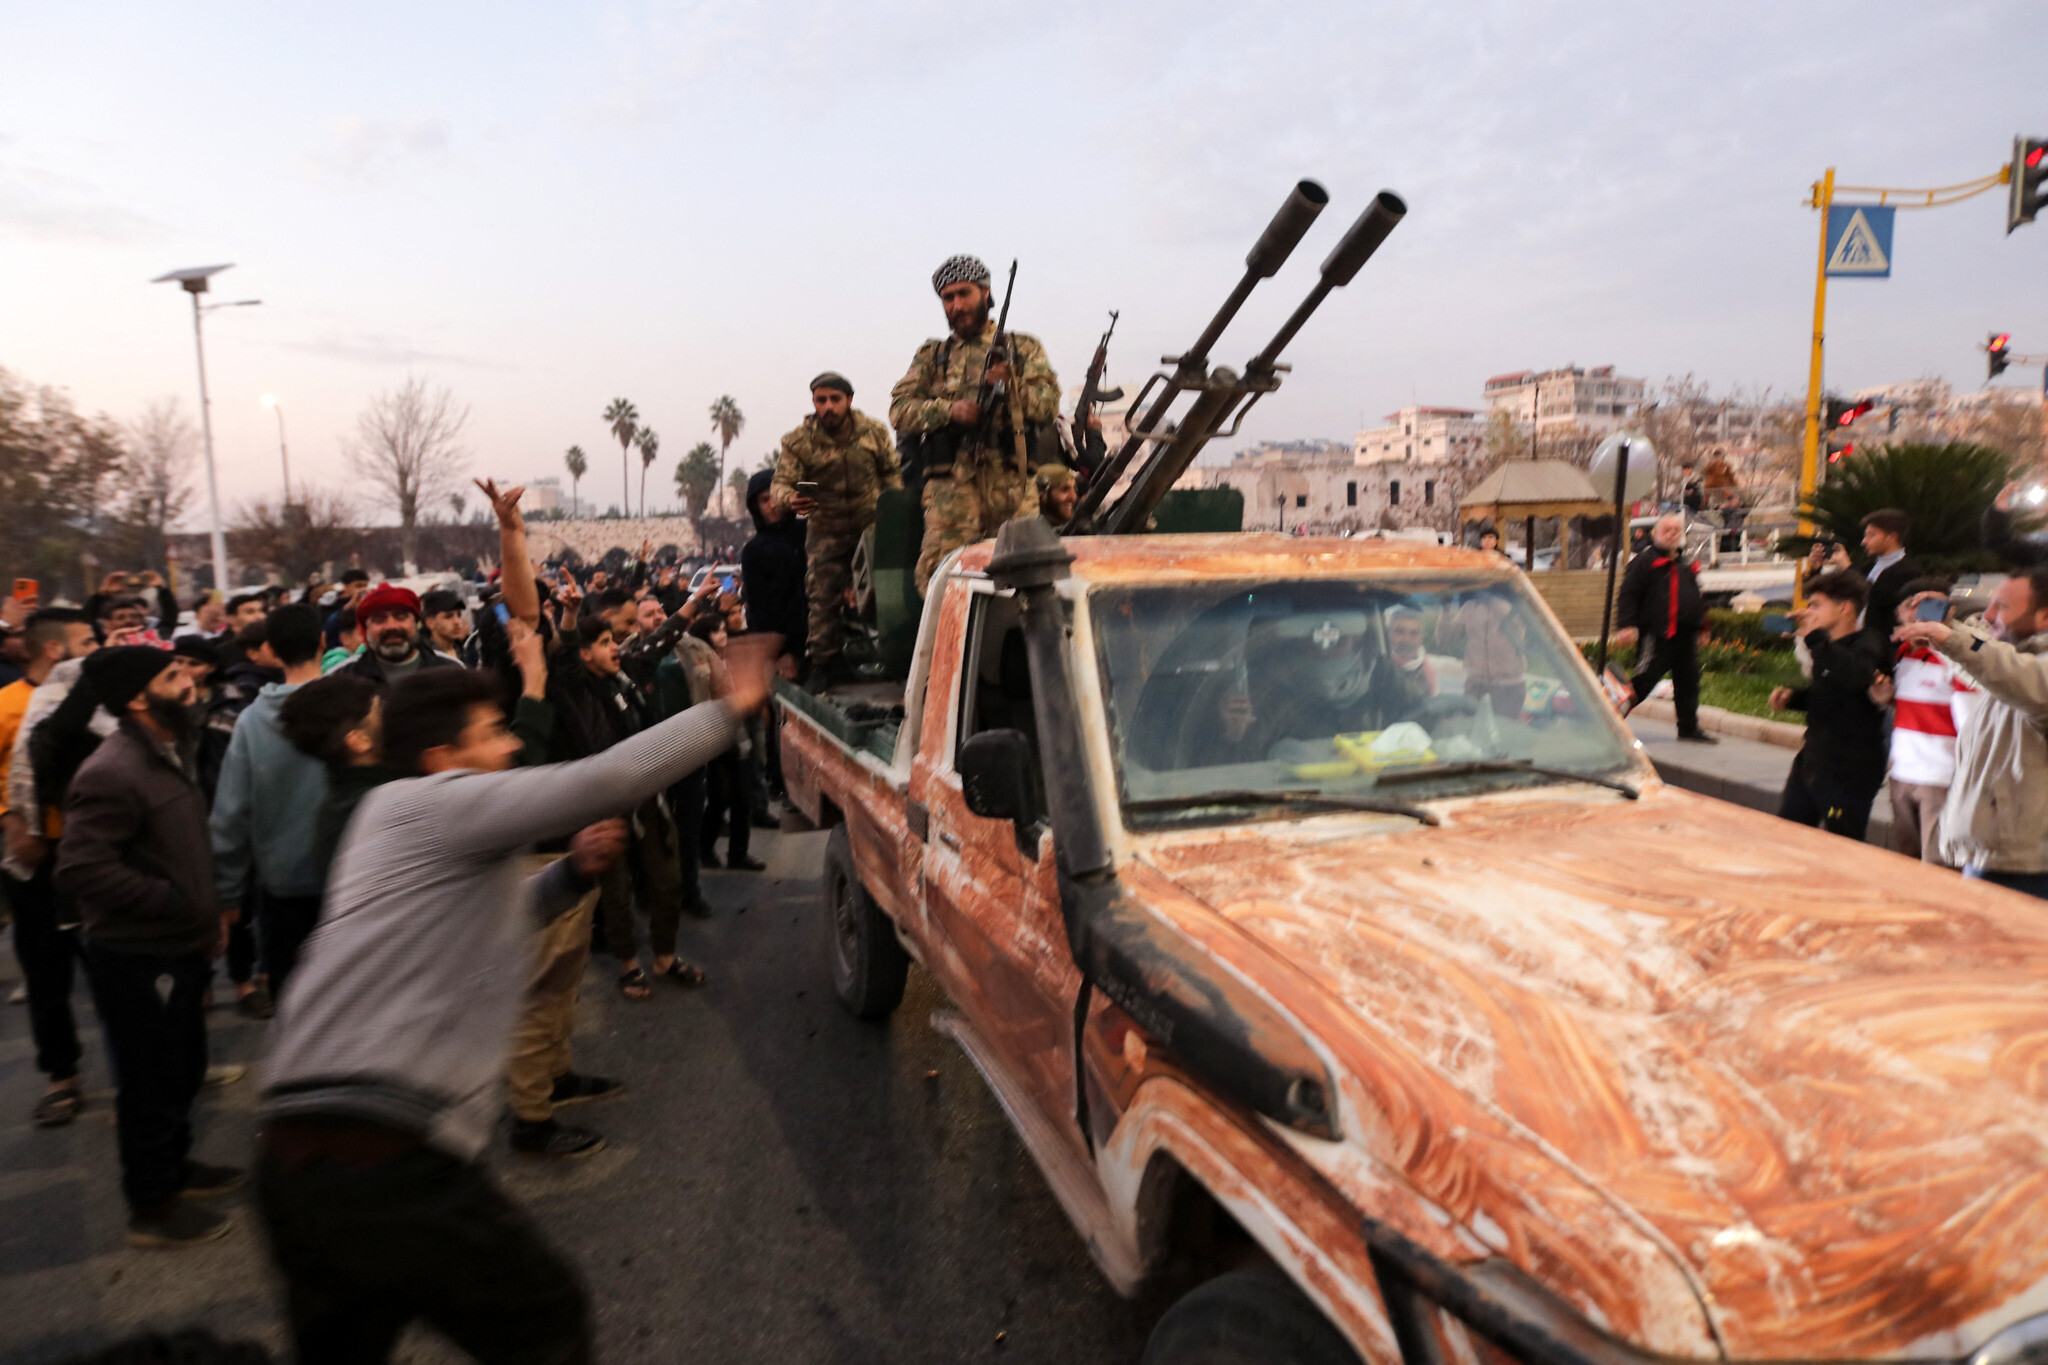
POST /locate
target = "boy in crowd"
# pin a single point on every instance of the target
(1836, 774)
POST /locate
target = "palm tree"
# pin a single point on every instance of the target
(625, 420)
(728, 421)
(579, 465)
(649, 443)
(696, 476)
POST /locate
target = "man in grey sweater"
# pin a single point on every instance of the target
(388, 1056)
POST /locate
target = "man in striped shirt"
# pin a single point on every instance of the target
(1929, 696)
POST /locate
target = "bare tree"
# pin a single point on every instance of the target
(152, 486)
(320, 525)
(408, 450)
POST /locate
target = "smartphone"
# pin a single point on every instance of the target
(504, 616)
(26, 588)
(805, 488)
(728, 584)
(1933, 609)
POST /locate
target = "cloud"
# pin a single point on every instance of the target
(45, 206)
(368, 150)
(379, 349)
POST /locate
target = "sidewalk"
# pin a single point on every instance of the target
(1747, 772)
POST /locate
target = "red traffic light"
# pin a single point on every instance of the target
(2000, 342)
(2034, 157)
(1850, 414)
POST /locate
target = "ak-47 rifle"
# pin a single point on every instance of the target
(1158, 451)
(994, 393)
(1092, 395)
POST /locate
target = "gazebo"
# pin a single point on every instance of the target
(1525, 490)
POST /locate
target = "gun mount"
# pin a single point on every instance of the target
(1158, 452)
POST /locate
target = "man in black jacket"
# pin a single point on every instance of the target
(1836, 774)
(772, 572)
(1661, 613)
(138, 861)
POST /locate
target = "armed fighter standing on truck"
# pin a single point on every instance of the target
(976, 465)
(830, 471)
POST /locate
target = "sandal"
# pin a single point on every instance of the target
(633, 986)
(686, 974)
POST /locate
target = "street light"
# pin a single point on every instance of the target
(194, 282)
(282, 454)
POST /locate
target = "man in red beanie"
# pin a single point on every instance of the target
(389, 618)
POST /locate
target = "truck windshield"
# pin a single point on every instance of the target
(1335, 685)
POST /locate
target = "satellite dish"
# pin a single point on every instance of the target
(1642, 465)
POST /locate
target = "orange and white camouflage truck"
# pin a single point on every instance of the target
(1363, 994)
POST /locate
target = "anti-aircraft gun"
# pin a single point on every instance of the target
(1157, 451)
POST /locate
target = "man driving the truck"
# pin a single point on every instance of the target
(1311, 675)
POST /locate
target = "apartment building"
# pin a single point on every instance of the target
(1568, 398)
(1428, 435)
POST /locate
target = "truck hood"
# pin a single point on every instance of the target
(1815, 1072)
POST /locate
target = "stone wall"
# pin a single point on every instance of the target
(593, 540)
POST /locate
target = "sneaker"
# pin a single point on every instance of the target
(1697, 737)
(573, 1087)
(210, 1182)
(58, 1107)
(258, 1003)
(175, 1225)
(556, 1141)
(227, 1073)
(746, 864)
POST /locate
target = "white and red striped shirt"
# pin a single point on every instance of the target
(1929, 698)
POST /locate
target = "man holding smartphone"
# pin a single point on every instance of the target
(831, 471)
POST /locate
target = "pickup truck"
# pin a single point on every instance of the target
(1363, 993)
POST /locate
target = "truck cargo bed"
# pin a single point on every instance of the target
(862, 716)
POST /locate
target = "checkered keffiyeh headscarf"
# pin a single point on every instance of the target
(958, 269)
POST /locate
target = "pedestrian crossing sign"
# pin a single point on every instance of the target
(1860, 240)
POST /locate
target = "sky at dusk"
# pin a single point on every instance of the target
(547, 206)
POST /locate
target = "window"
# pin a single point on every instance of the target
(1429, 492)
(1393, 492)
(1351, 493)
(1301, 499)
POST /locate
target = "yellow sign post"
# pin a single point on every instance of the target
(1822, 199)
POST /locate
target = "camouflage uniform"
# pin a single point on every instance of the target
(980, 493)
(851, 470)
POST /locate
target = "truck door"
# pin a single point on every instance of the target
(990, 889)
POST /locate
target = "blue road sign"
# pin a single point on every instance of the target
(1860, 240)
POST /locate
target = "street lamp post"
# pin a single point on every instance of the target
(194, 282)
(284, 456)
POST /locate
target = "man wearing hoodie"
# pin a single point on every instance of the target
(830, 471)
(772, 570)
(266, 807)
(1994, 825)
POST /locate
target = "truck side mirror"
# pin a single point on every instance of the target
(995, 776)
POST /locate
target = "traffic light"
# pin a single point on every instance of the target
(2029, 168)
(1998, 351)
(1841, 412)
(1836, 456)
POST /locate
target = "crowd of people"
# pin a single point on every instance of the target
(213, 800)
(1905, 691)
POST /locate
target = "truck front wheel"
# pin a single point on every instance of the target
(868, 964)
(1253, 1316)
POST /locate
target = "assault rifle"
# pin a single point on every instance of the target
(1221, 394)
(993, 393)
(1092, 395)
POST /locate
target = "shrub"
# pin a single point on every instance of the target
(1945, 489)
(1745, 628)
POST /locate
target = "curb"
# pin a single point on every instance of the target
(1720, 721)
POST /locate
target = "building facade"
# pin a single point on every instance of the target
(1427, 435)
(1565, 399)
(1323, 487)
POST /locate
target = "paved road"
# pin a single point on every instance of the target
(783, 1183)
